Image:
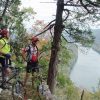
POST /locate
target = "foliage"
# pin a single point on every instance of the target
(64, 54)
(75, 27)
(96, 96)
(72, 93)
(82, 15)
(61, 78)
(20, 37)
(13, 19)
(72, 16)
(98, 1)
(78, 34)
(44, 63)
(45, 56)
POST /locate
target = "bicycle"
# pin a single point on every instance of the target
(13, 84)
(18, 90)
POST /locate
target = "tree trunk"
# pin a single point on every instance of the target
(52, 72)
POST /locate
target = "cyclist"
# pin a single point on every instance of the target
(5, 51)
(31, 52)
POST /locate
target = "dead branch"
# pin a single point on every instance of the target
(82, 95)
(45, 30)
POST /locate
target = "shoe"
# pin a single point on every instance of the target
(5, 86)
(6, 79)
(18, 95)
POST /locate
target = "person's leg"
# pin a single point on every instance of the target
(7, 72)
(29, 69)
(27, 74)
(2, 61)
(7, 69)
(35, 67)
(25, 79)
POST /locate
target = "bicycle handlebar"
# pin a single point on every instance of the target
(8, 56)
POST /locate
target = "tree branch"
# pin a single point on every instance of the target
(67, 15)
(85, 6)
(82, 95)
(6, 5)
(93, 3)
(45, 30)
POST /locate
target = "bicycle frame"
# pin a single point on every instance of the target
(15, 75)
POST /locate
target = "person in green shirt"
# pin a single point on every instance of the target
(5, 52)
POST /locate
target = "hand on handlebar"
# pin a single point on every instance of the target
(1, 53)
(7, 56)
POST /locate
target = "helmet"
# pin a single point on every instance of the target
(4, 32)
(34, 39)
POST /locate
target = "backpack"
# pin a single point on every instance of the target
(32, 57)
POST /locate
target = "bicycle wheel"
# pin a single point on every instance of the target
(0, 71)
(18, 91)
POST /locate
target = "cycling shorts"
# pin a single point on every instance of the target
(5, 62)
(30, 67)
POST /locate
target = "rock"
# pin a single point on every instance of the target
(5, 95)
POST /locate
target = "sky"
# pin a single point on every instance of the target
(45, 11)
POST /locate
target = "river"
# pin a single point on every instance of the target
(86, 72)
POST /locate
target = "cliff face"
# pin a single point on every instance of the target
(96, 45)
(74, 51)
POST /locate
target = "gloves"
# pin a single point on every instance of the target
(7, 56)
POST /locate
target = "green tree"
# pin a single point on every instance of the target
(13, 18)
(77, 12)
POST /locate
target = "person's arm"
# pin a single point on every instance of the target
(24, 54)
(1, 45)
(1, 53)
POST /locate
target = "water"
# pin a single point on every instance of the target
(86, 72)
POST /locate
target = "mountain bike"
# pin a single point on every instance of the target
(18, 90)
(13, 84)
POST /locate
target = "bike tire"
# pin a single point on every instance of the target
(18, 91)
(0, 71)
